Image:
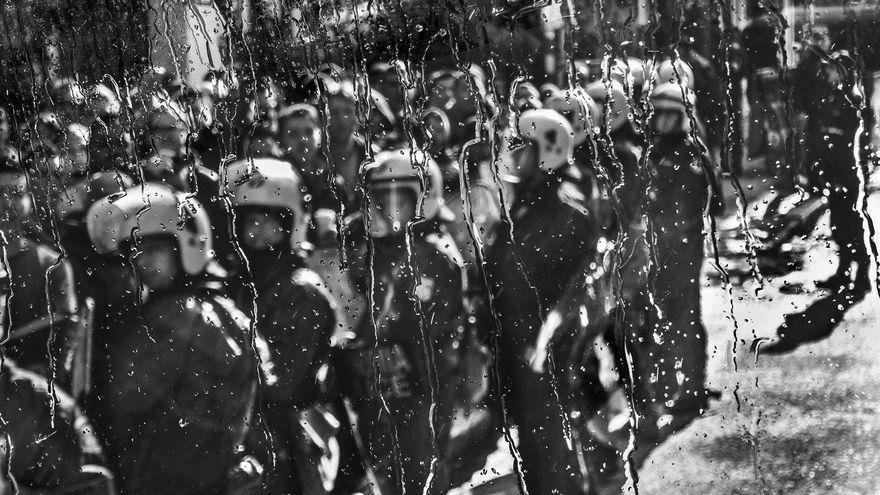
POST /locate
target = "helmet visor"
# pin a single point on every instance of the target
(392, 206)
(261, 229)
(665, 121)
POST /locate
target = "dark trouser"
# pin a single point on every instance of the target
(835, 168)
(847, 231)
(659, 342)
(535, 402)
(680, 352)
(400, 444)
(395, 427)
(294, 469)
(630, 338)
(661, 358)
(605, 464)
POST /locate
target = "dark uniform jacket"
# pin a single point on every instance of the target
(173, 389)
(42, 297)
(45, 458)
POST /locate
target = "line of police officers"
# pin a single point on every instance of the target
(290, 294)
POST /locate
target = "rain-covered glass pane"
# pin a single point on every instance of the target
(454, 247)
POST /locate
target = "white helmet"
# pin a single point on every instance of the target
(104, 101)
(631, 74)
(400, 170)
(678, 72)
(152, 210)
(579, 109)
(617, 113)
(670, 97)
(271, 184)
(631, 69)
(551, 133)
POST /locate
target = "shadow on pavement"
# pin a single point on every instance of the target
(813, 324)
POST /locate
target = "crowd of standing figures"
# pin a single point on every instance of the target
(363, 279)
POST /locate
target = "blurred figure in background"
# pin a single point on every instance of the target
(43, 315)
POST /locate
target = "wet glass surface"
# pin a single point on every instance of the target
(470, 247)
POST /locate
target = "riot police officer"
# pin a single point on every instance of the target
(399, 372)
(53, 449)
(294, 312)
(530, 268)
(172, 161)
(175, 376)
(44, 307)
(682, 186)
(826, 90)
(47, 454)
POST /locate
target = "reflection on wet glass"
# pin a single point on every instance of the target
(505, 246)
